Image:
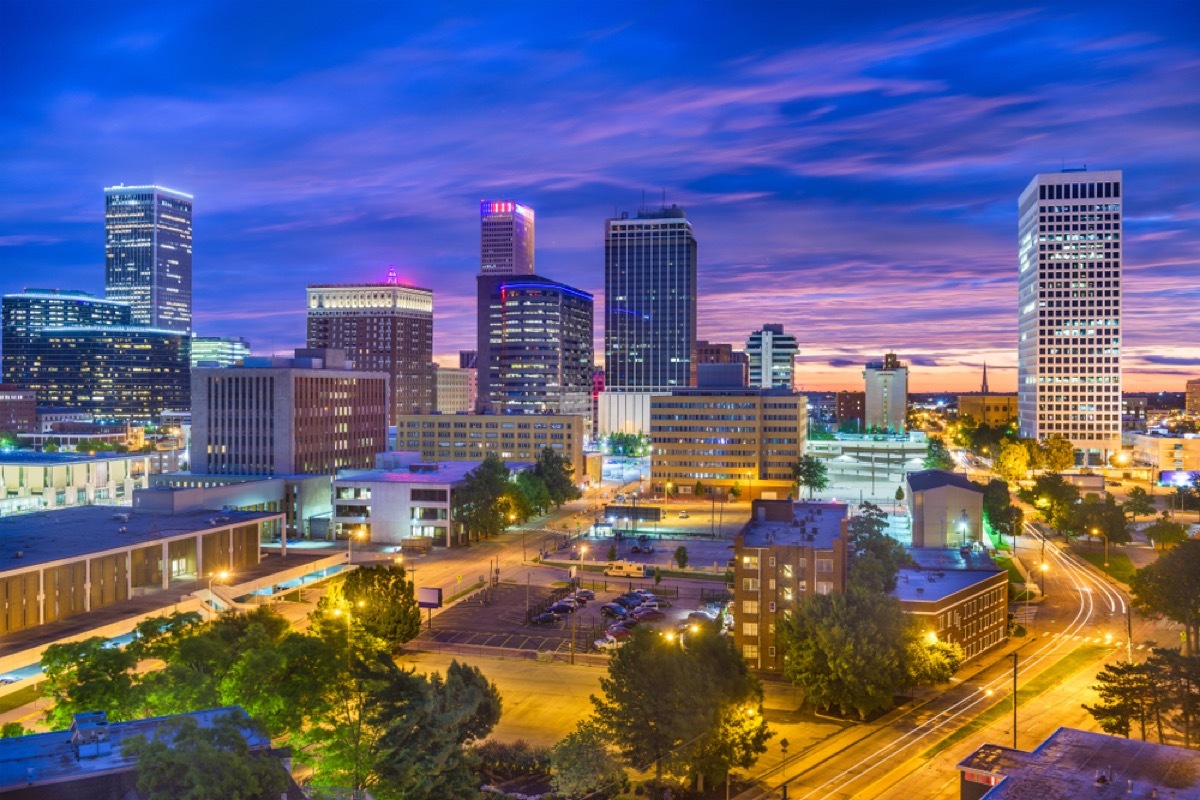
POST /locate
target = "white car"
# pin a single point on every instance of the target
(608, 643)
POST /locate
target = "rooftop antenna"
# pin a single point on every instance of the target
(664, 202)
(391, 275)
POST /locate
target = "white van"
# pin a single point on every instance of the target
(628, 569)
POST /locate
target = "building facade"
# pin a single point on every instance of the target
(287, 416)
(993, 410)
(148, 254)
(456, 390)
(1192, 400)
(28, 312)
(18, 409)
(48, 481)
(505, 238)
(958, 598)
(1069, 322)
(886, 396)
(725, 438)
(382, 327)
(126, 374)
(786, 552)
(945, 509)
(218, 351)
(650, 301)
(1165, 453)
(512, 437)
(535, 348)
(772, 354)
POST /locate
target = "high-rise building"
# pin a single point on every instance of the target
(382, 327)
(772, 356)
(505, 238)
(886, 402)
(307, 415)
(650, 301)
(1069, 320)
(26, 313)
(218, 351)
(512, 437)
(467, 359)
(125, 373)
(535, 347)
(456, 390)
(850, 410)
(1192, 401)
(148, 254)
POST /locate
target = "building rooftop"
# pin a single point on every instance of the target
(812, 525)
(425, 473)
(927, 479)
(52, 757)
(940, 572)
(71, 532)
(32, 458)
(1069, 765)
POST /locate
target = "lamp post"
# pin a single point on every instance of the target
(1096, 532)
(1045, 567)
(350, 543)
(220, 576)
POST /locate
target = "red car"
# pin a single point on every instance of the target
(649, 615)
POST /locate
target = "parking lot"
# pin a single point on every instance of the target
(498, 619)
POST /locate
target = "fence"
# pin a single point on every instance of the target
(509, 653)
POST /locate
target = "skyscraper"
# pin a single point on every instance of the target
(505, 238)
(382, 327)
(1069, 319)
(886, 399)
(28, 312)
(148, 254)
(650, 301)
(772, 356)
(534, 347)
(218, 351)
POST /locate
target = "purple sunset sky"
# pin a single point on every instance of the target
(852, 174)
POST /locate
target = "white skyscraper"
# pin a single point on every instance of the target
(886, 402)
(1069, 334)
(772, 355)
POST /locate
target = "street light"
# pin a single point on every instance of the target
(1095, 533)
(360, 533)
(1045, 567)
(220, 576)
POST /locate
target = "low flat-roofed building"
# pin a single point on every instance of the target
(49, 416)
(404, 502)
(43, 481)
(959, 594)
(882, 459)
(1165, 453)
(60, 563)
(993, 410)
(785, 552)
(945, 508)
(303, 499)
(1073, 764)
(513, 437)
(87, 761)
(18, 409)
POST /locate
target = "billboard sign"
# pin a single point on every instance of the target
(429, 597)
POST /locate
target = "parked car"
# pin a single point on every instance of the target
(637, 548)
(700, 616)
(561, 608)
(645, 594)
(683, 514)
(648, 615)
(614, 610)
(627, 602)
(619, 632)
(607, 643)
(545, 618)
(647, 549)
(585, 594)
(656, 605)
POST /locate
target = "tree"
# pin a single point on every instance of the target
(383, 601)
(877, 557)
(681, 557)
(1002, 516)
(937, 455)
(556, 472)
(927, 659)
(699, 489)
(1139, 503)
(1165, 531)
(612, 552)
(88, 676)
(583, 764)
(1037, 453)
(658, 576)
(534, 491)
(1012, 463)
(1058, 454)
(811, 472)
(1171, 587)
(187, 760)
(478, 501)
(847, 650)
(1055, 500)
(735, 492)
(632, 445)
(50, 447)
(1123, 689)
(1103, 518)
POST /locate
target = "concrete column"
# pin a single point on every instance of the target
(128, 573)
(87, 584)
(199, 556)
(41, 597)
(230, 559)
(166, 567)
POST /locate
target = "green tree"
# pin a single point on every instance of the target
(998, 509)
(658, 576)
(1171, 586)
(877, 556)
(1102, 518)
(537, 496)
(383, 600)
(555, 471)
(583, 764)
(698, 490)
(681, 557)
(1124, 689)
(1058, 454)
(847, 650)
(1165, 531)
(88, 676)
(937, 455)
(11, 730)
(478, 502)
(927, 659)
(1055, 500)
(50, 447)
(612, 552)
(632, 445)
(1012, 462)
(187, 760)
(1139, 503)
(811, 472)
(735, 492)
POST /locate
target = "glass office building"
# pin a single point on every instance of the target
(148, 254)
(26, 313)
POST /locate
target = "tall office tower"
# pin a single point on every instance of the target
(26, 313)
(886, 402)
(383, 327)
(1069, 319)
(505, 238)
(148, 254)
(456, 390)
(122, 373)
(467, 359)
(218, 351)
(1192, 398)
(772, 356)
(650, 301)
(307, 415)
(534, 347)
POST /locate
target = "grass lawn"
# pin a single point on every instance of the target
(20, 697)
(1073, 662)
(1014, 575)
(1119, 565)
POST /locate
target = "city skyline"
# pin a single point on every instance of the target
(822, 166)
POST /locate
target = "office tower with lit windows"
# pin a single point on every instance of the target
(24, 314)
(1069, 322)
(772, 356)
(650, 302)
(885, 399)
(382, 327)
(505, 238)
(148, 254)
(218, 351)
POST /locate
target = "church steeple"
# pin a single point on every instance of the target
(985, 386)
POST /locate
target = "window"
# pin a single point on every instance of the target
(824, 565)
(750, 562)
(750, 606)
(750, 652)
(824, 587)
(771, 561)
(750, 584)
(750, 629)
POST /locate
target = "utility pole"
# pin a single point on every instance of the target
(1014, 655)
(1129, 632)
